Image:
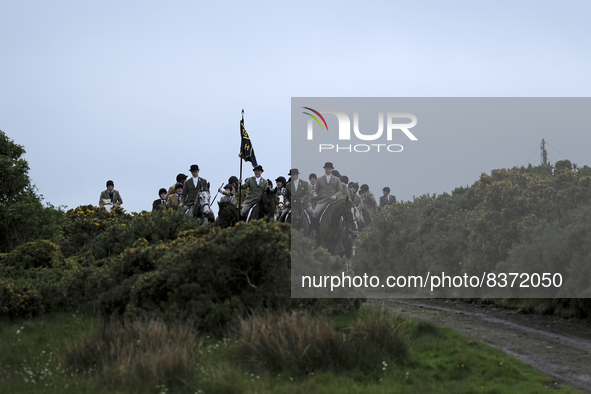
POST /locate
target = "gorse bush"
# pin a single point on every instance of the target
(35, 277)
(518, 220)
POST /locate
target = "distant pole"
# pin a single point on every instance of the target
(544, 153)
(239, 185)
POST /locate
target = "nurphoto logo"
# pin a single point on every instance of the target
(345, 130)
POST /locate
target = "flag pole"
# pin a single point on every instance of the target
(239, 191)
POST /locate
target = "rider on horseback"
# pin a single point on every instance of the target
(297, 189)
(256, 185)
(193, 186)
(328, 189)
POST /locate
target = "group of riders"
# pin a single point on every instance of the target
(304, 204)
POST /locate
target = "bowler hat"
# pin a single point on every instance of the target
(259, 167)
(194, 167)
(328, 164)
(294, 171)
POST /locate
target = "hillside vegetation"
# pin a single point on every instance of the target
(522, 220)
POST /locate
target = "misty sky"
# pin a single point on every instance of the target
(137, 91)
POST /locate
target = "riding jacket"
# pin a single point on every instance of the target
(116, 199)
(302, 192)
(254, 190)
(324, 190)
(190, 192)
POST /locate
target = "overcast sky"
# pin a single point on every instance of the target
(137, 91)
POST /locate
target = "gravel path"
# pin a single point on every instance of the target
(558, 347)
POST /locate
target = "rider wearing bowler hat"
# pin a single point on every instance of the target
(193, 185)
(328, 189)
(299, 189)
(256, 185)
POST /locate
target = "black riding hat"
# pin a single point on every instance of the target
(281, 179)
(109, 182)
(181, 177)
(386, 189)
(354, 185)
(233, 179)
(313, 176)
(364, 187)
(162, 190)
(177, 185)
(228, 186)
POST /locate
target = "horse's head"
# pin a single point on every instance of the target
(204, 197)
(268, 202)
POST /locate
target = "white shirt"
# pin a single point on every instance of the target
(195, 180)
(328, 178)
(258, 180)
(296, 183)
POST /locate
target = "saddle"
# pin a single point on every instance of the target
(250, 211)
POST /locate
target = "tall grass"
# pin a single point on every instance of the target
(301, 344)
(144, 352)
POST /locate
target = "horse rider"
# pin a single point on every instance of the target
(368, 198)
(228, 197)
(328, 189)
(172, 190)
(313, 179)
(357, 202)
(160, 203)
(280, 193)
(387, 199)
(193, 186)
(110, 198)
(256, 185)
(344, 189)
(174, 200)
(299, 189)
(234, 189)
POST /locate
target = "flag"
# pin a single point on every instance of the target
(246, 150)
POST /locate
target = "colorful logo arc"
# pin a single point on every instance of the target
(315, 118)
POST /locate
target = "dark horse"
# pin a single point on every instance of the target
(298, 217)
(338, 230)
(264, 208)
(228, 215)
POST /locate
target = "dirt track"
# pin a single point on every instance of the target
(558, 347)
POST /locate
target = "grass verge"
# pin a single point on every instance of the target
(364, 352)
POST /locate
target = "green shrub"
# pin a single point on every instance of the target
(18, 299)
(41, 275)
(209, 276)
